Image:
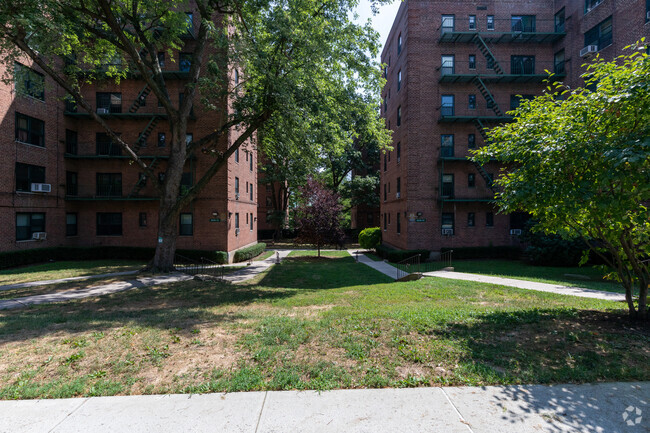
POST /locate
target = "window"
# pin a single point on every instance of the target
(29, 82)
(190, 24)
(186, 183)
(251, 221)
(71, 184)
(447, 145)
(447, 221)
(472, 22)
(522, 23)
(30, 130)
(471, 219)
(162, 139)
(489, 62)
(600, 35)
(515, 100)
(71, 224)
(109, 184)
(447, 185)
(558, 62)
(399, 151)
(399, 223)
(105, 146)
(161, 59)
(385, 162)
(522, 65)
(109, 224)
(389, 152)
(269, 202)
(385, 223)
(447, 65)
(28, 223)
(237, 220)
(559, 21)
(399, 187)
(251, 193)
(399, 80)
(447, 105)
(447, 23)
(472, 61)
(250, 163)
(108, 102)
(490, 22)
(471, 180)
(471, 141)
(399, 44)
(590, 4)
(184, 62)
(70, 142)
(471, 102)
(518, 220)
(189, 138)
(236, 185)
(27, 174)
(385, 105)
(237, 155)
(186, 226)
(489, 219)
(647, 12)
(142, 219)
(399, 115)
(385, 192)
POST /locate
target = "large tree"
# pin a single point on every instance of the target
(579, 161)
(290, 52)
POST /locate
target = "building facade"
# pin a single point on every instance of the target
(64, 183)
(454, 69)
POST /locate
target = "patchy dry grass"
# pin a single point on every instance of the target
(315, 325)
(65, 269)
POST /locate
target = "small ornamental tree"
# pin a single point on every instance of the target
(579, 162)
(318, 216)
(370, 238)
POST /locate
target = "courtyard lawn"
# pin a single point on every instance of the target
(323, 253)
(265, 255)
(315, 325)
(66, 269)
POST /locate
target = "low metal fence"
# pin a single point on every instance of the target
(201, 266)
(415, 264)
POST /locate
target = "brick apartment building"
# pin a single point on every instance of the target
(62, 181)
(454, 69)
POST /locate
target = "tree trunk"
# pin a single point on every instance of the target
(163, 260)
(643, 300)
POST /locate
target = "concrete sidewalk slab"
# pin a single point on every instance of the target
(529, 285)
(64, 280)
(27, 416)
(383, 267)
(256, 268)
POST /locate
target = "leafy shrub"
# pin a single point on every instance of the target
(249, 252)
(502, 252)
(370, 238)
(395, 256)
(553, 250)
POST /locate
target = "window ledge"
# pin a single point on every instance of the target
(29, 144)
(25, 240)
(34, 98)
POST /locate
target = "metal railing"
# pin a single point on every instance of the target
(201, 266)
(415, 264)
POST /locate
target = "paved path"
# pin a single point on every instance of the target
(119, 286)
(64, 280)
(512, 409)
(380, 266)
(529, 285)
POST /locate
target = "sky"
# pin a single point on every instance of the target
(381, 22)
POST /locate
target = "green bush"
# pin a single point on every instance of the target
(370, 238)
(503, 252)
(395, 256)
(249, 252)
(553, 250)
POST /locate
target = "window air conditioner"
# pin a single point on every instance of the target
(647, 15)
(236, 232)
(39, 236)
(41, 187)
(588, 50)
(397, 195)
(447, 232)
(102, 110)
(515, 232)
(237, 196)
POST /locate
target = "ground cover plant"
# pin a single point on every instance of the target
(322, 324)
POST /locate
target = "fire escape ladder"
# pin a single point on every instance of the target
(142, 138)
(484, 174)
(483, 48)
(491, 103)
(140, 99)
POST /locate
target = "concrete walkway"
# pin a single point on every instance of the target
(119, 286)
(529, 285)
(605, 407)
(381, 266)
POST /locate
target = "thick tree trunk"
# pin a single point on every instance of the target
(163, 260)
(643, 300)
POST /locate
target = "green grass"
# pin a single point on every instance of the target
(542, 274)
(374, 257)
(315, 324)
(265, 255)
(56, 270)
(314, 253)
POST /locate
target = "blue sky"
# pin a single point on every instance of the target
(381, 22)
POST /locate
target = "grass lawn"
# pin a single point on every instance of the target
(265, 255)
(314, 253)
(56, 270)
(309, 324)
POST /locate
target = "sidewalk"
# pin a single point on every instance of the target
(381, 266)
(517, 409)
(119, 286)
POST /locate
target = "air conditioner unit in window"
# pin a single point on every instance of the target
(236, 232)
(515, 232)
(647, 15)
(588, 50)
(447, 232)
(39, 236)
(41, 187)
(398, 195)
(236, 196)
(102, 110)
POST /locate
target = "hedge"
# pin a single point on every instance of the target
(12, 259)
(394, 255)
(249, 252)
(370, 238)
(504, 252)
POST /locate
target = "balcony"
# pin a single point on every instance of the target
(466, 72)
(503, 30)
